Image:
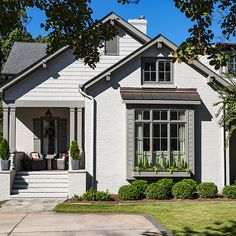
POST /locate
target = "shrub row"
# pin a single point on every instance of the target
(162, 189)
(166, 189)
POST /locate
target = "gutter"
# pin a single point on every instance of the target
(93, 163)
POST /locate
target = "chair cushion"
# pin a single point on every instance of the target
(62, 156)
(35, 155)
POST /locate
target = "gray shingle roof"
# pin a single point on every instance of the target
(22, 56)
(190, 94)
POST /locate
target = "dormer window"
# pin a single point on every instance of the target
(112, 47)
(157, 70)
(232, 64)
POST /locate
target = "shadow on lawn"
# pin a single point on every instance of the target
(219, 228)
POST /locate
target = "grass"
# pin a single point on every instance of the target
(2, 202)
(182, 218)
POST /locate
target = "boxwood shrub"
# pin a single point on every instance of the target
(94, 195)
(141, 186)
(160, 190)
(207, 190)
(191, 181)
(230, 191)
(128, 192)
(185, 189)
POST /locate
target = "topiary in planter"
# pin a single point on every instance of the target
(160, 190)
(128, 192)
(230, 191)
(141, 186)
(184, 190)
(74, 150)
(4, 150)
(207, 190)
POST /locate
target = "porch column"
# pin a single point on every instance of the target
(72, 124)
(6, 123)
(13, 129)
(79, 127)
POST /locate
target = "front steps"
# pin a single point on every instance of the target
(40, 184)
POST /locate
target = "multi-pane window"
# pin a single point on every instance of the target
(232, 64)
(160, 137)
(157, 70)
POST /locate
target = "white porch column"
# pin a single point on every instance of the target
(12, 129)
(79, 127)
(6, 123)
(72, 124)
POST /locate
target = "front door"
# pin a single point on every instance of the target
(49, 136)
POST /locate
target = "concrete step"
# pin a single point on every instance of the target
(39, 185)
(47, 172)
(40, 190)
(24, 181)
(39, 195)
(41, 176)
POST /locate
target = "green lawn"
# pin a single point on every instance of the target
(2, 202)
(182, 218)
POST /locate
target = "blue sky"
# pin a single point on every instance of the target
(163, 17)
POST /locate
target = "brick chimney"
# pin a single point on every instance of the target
(140, 24)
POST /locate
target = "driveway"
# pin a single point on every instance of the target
(57, 224)
(34, 217)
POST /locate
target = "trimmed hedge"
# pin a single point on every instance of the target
(141, 186)
(191, 181)
(230, 191)
(160, 190)
(128, 192)
(185, 189)
(207, 190)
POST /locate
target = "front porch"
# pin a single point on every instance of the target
(48, 131)
(45, 130)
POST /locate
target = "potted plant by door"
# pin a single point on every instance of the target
(4, 155)
(74, 155)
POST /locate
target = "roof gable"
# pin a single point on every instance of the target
(158, 39)
(134, 32)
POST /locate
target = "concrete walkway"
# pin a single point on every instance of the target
(58, 224)
(30, 205)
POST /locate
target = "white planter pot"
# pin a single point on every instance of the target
(74, 164)
(5, 164)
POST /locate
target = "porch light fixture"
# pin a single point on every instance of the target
(48, 115)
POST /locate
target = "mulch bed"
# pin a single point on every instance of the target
(116, 201)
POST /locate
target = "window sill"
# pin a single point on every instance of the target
(161, 174)
(157, 85)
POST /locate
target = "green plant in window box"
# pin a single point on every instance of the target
(146, 164)
(139, 168)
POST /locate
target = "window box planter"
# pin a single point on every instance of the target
(153, 174)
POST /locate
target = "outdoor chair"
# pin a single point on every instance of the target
(38, 161)
(60, 162)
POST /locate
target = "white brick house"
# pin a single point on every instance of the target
(139, 107)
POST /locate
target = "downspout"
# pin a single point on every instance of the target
(225, 146)
(92, 133)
